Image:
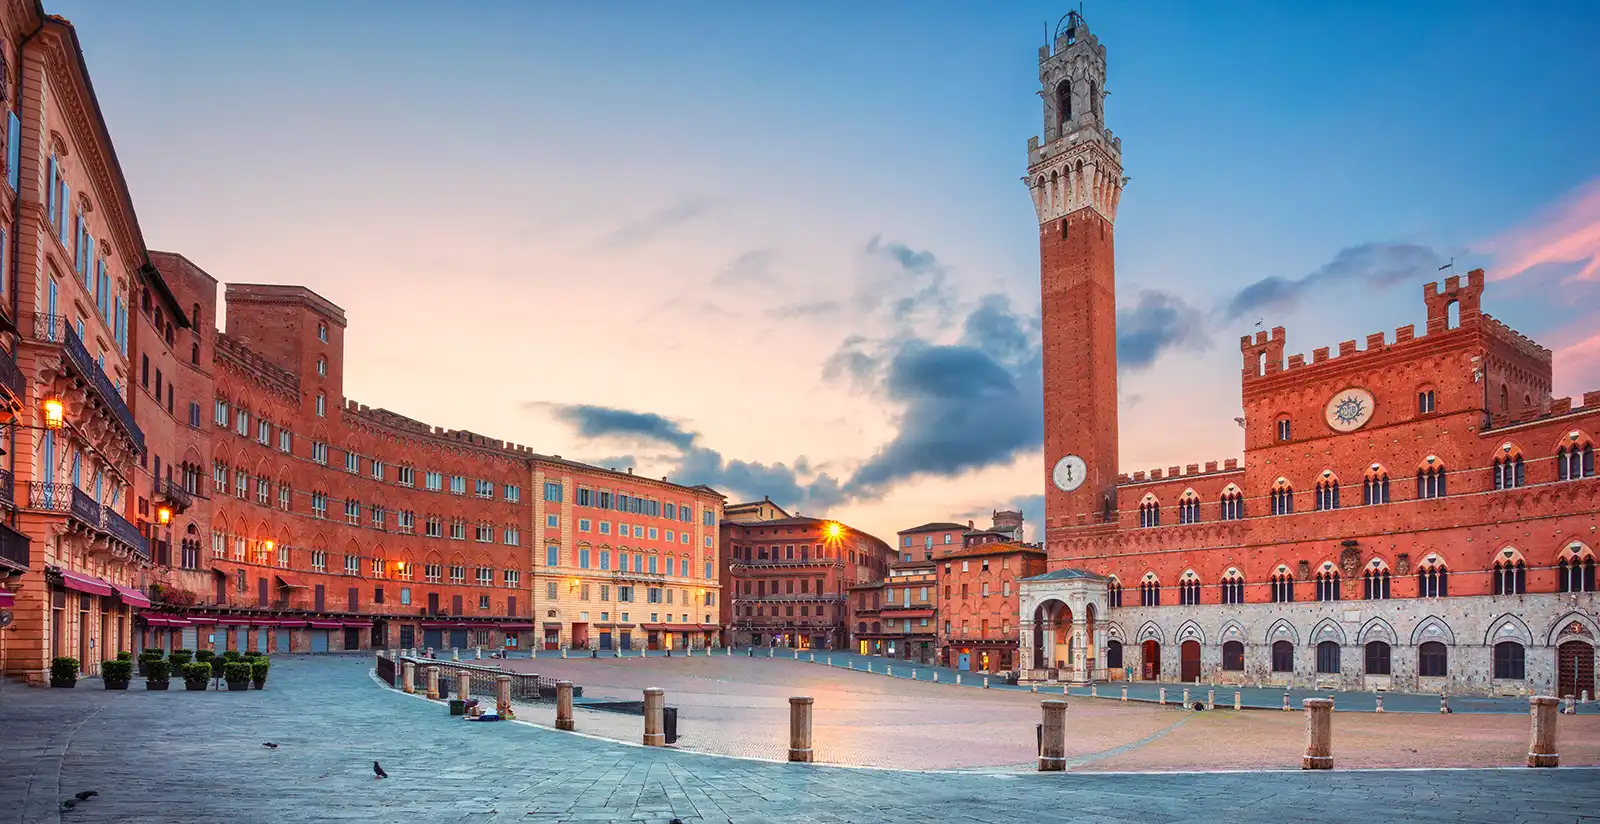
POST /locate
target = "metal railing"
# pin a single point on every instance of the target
(62, 497)
(121, 530)
(55, 329)
(763, 563)
(14, 546)
(175, 493)
(8, 488)
(10, 376)
(525, 686)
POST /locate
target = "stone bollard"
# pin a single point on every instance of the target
(812, 657)
(935, 676)
(1035, 687)
(1286, 707)
(1211, 699)
(463, 685)
(1094, 690)
(1571, 708)
(1185, 697)
(1319, 735)
(430, 652)
(477, 653)
(1237, 702)
(830, 660)
(1380, 703)
(958, 679)
(800, 728)
(888, 669)
(564, 706)
(869, 666)
(986, 683)
(1444, 703)
(455, 654)
(1053, 742)
(502, 697)
(797, 655)
(1124, 693)
(1584, 697)
(408, 677)
(431, 674)
(563, 652)
(852, 664)
(1163, 697)
(655, 710)
(1542, 745)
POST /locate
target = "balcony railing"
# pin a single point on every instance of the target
(49, 328)
(121, 530)
(174, 492)
(623, 575)
(68, 498)
(13, 547)
(8, 488)
(11, 377)
(763, 563)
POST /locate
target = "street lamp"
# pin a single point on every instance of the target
(55, 413)
(164, 515)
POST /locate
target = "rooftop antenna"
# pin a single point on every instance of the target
(1451, 265)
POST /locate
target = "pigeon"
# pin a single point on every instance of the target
(69, 804)
(378, 771)
(85, 795)
(270, 745)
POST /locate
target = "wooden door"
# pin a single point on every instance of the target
(1574, 669)
(1190, 661)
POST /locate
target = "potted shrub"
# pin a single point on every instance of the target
(145, 658)
(179, 657)
(116, 673)
(125, 655)
(205, 655)
(156, 674)
(232, 655)
(237, 674)
(217, 665)
(258, 672)
(195, 675)
(64, 672)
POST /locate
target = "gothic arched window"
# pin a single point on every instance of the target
(1064, 101)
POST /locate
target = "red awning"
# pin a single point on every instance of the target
(908, 613)
(675, 627)
(234, 619)
(132, 597)
(165, 621)
(357, 624)
(85, 583)
(287, 580)
(264, 622)
(516, 625)
(291, 622)
(326, 625)
(7, 599)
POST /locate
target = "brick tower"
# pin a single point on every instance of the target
(1075, 177)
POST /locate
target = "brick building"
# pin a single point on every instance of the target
(1411, 513)
(788, 577)
(71, 255)
(979, 588)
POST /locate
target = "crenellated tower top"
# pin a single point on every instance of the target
(1079, 165)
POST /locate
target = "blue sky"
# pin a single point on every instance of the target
(687, 212)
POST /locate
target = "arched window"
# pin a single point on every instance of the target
(1575, 569)
(1285, 429)
(1233, 656)
(1233, 587)
(1149, 512)
(1064, 101)
(1510, 661)
(1575, 461)
(1430, 479)
(1328, 583)
(1327, 492)
(1377, 658)
(1507, 469)
(1328, 658)
(1189, 508)
(1375, 486)
(1505, 398)
(1232, 503)
(1424, 401)
(1433, 578)
(1282, 586)
(1432, 660)
(1189, 589)
(1282, 498)
(1375, 581)
(1510, 573)
(1094, 100)
(1114, 593)
(1150, 591)
(1282, 656)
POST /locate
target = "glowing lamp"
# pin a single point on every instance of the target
(270, 545)
(55, 413)
(164, 515)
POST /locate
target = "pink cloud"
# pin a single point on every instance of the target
(1577, 366)
(1567, 232)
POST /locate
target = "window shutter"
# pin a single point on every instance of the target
(50, 192)
(13, 149)
(66, 209)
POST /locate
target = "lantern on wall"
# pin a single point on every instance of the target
(164, 515)
(55, 413)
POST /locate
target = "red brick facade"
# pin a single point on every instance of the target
(979, 590)
(788, 579)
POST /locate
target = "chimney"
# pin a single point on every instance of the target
(630, 470)
(969, 523)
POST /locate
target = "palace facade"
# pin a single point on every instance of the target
(1412, 512)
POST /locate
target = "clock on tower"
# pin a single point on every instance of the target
(1075, 178)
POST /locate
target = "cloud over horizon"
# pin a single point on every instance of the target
(1375, 264)
(1565, 233)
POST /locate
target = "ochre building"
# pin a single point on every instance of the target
(1414, 511)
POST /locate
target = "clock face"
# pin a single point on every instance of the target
(1070, 473)
(1349, 409)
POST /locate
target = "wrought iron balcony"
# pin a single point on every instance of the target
(13, 548)
(8, 488)
(763, 563)
(54, 329)
(121, 530)
(175, 494)
(11, 378)
(68, 498)
(624, 575)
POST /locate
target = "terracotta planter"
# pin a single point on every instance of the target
(156, 685)
(238, 686)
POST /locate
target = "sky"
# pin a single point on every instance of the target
(785, 249)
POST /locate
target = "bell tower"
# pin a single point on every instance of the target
(1075, 177)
